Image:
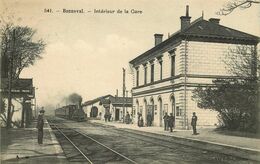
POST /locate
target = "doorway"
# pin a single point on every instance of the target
(117, 114)
(94, 112)
(160, 112)
(150, 112)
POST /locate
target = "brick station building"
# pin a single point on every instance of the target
(165, 75)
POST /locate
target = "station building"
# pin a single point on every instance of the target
(108, 104)
(165, 75)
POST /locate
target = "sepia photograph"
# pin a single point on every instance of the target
(130, 81)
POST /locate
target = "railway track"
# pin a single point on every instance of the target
(143, 148)
(80, 147)
(171, 144)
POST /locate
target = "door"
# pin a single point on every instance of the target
(117, 114)
(161, 112)
(150, 111)
(94, 112)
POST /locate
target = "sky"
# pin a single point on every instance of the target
(85, 53)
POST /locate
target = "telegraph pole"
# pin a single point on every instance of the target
(10, 78)
(124, 94)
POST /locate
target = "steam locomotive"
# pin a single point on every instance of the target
(71, 112)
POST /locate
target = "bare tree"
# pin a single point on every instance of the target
(26, 50)
(231, 5)
(243, 61)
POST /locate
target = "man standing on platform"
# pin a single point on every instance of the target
(194, 123)
(40, 124)
(171, 122)
(165, 118)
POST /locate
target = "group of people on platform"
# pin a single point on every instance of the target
(169, 122)
(149, 119)
(108, 117)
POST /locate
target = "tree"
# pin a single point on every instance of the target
(230, 6)
(3, 111)
(235, 99)
(20, 50)
(243, 62)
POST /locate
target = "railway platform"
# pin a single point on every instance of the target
(209, 139)
(21, 146)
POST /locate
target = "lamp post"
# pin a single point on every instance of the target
(35, 105)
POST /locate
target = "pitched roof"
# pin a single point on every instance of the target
(95, 100)
(209, 29)
(203, 29)
(111, 99)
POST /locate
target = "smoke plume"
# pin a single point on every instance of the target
(73, 98)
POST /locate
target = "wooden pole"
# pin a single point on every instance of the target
(10, 78)
(23, 112)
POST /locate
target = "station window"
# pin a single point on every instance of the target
(145, 74)
(165, 108)
(161, 70)
(152, 72)
(137, 77)
(179, 112)
(173, 65)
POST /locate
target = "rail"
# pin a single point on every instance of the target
(73, 144)
(85, 135)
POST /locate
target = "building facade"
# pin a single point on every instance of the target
(165, 75)
(108, 104)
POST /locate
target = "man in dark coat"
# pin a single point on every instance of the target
(138, 119)
(109, 117)
(165, 118)
(171, 122)
(40, 123)
(127, 118)
(141, 121)
(194, 123)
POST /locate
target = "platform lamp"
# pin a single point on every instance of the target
(35, 105)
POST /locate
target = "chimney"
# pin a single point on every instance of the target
(80, 104)
(117, 93)
(214, 20)
(158, 38)
(185, 20)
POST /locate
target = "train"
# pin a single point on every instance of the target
(71, 112)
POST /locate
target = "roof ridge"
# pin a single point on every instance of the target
(233, 29)
(213, 30)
